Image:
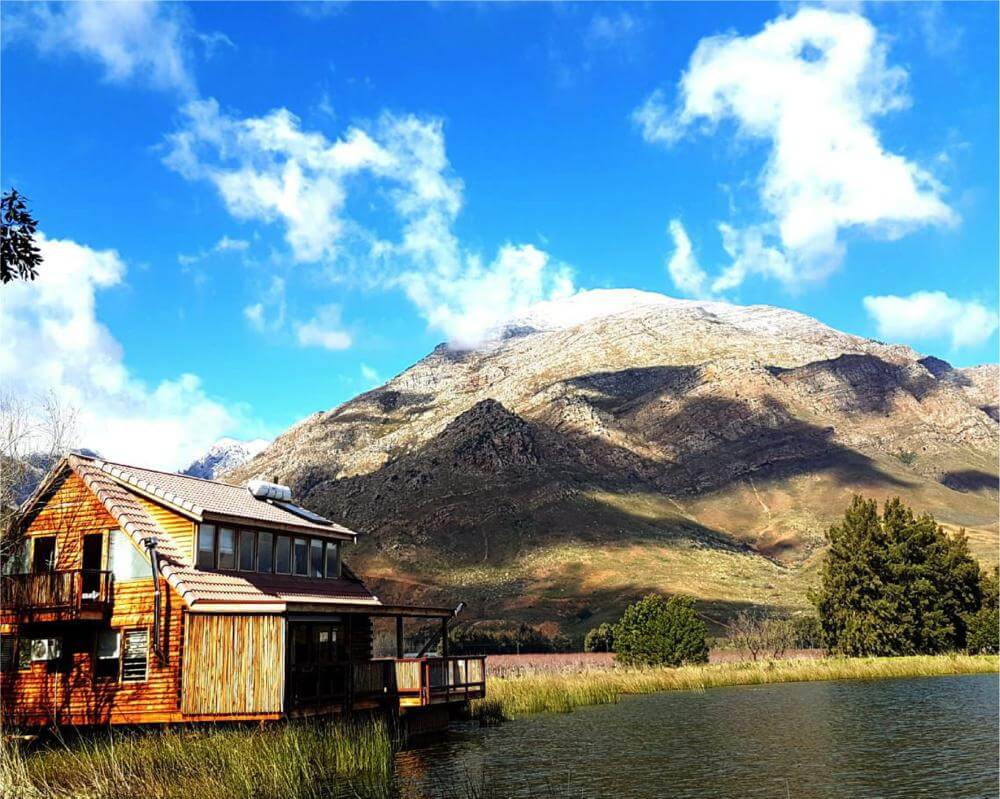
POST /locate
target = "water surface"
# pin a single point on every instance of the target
(893, 739)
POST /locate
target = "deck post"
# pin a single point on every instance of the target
(399, 637)
(444, 638)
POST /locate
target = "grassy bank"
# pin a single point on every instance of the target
(561, 691)
(295, 760)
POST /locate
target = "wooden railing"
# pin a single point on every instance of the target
(64, 592)
(439, 679)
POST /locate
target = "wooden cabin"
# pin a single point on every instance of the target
(144, 597)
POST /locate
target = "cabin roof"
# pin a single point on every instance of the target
(206, 499)
(199, 589)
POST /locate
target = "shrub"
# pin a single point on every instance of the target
(983, 626)
(807, 632)
(504, 639)
(658, 632)
(895, 584)
(600, 639)
(756, 634)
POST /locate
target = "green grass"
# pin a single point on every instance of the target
(561, 692)
(298, 760)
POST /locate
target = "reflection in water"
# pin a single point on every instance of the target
(933, 737)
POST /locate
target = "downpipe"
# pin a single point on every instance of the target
(154, 564)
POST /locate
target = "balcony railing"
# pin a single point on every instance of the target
(439, 679)
(63, 594)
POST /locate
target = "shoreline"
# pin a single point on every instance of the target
(561, 691)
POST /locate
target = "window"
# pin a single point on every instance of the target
(265, 552)
(332, 559)
(23, 654)
(302, 556)
(206, 546)
(8, 646)
(315, 558)
(43, 553)
(283, 555)
(135, 655)
(17, 562)
(227, 548)
(124, 560)
(108, 655)
(248, 549)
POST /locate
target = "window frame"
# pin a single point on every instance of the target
(215, 546)
(117, 658)
(335, 546)
(259, 539)
(218, 549)
(291, 559)
(54, 561)
(295, 562)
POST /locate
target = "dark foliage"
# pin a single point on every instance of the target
(983, 626)
(600, 639)
(807, 632)
(895, 584)
(522, 639)
(19, 254)
(659, 632)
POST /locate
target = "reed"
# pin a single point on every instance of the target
(306, 761)
(560, 692)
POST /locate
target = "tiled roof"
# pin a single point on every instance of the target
(207, 497)
(205, 589)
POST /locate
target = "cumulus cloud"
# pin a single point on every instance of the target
(683, 268)
(145, 42)
(811, 86)
(53, 342)
(928, 315)
(324, 330)
(269, 169)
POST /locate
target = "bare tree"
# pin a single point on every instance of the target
(34, 433)
(759, 635)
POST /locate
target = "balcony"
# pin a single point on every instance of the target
(69, 595)
(434, 680)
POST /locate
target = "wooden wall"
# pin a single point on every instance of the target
(233, 664)
(65, 692)
(181, 529)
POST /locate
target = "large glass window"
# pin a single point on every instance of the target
(227, 548)
(248, 550)
(265, 552)
(283, 555)
(206, 546)
(332, 559)
(124, 560)
(315, 558)
(302, 556)
(43, 553)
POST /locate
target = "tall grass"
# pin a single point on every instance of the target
(560, 692)
(305, 761)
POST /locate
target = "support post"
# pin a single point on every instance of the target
(444, 638)
(399, 637)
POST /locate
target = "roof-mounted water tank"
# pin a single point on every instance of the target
(265, 490)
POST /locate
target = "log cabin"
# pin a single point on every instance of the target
(144, 597)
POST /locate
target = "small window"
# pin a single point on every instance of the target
(23, 654)
(283, 555)
(43, 553)
(332, 560)
(227, 548)
(108, 656)
(248, 550)
(8, 648)
(206, 546)
(315, 558)
(302, 556)
(265, 552)
(135, 655)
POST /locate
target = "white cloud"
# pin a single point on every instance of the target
(370, 375)
(608, 30)
(225, 244)
(268, 168)
(324, 330)
(683, 268)
(931, 315)
(811, 85)
(268, 313)
(141, 41)
(53, 342)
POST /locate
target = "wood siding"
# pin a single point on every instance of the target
(234, 664)
(181, 529)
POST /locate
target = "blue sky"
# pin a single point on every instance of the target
(255, 211)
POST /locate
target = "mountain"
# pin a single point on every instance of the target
(225, 455)
(621, 442)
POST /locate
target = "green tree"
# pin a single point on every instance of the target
(983, 626)
(600, 639)
(659, 632)
(895, 584)
(19, 254)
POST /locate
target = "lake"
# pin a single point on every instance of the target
(927, 737)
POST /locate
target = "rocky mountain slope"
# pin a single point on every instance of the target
(620, 442)
(224, 456)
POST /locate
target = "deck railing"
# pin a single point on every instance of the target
(67, 592)
(441, 679)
